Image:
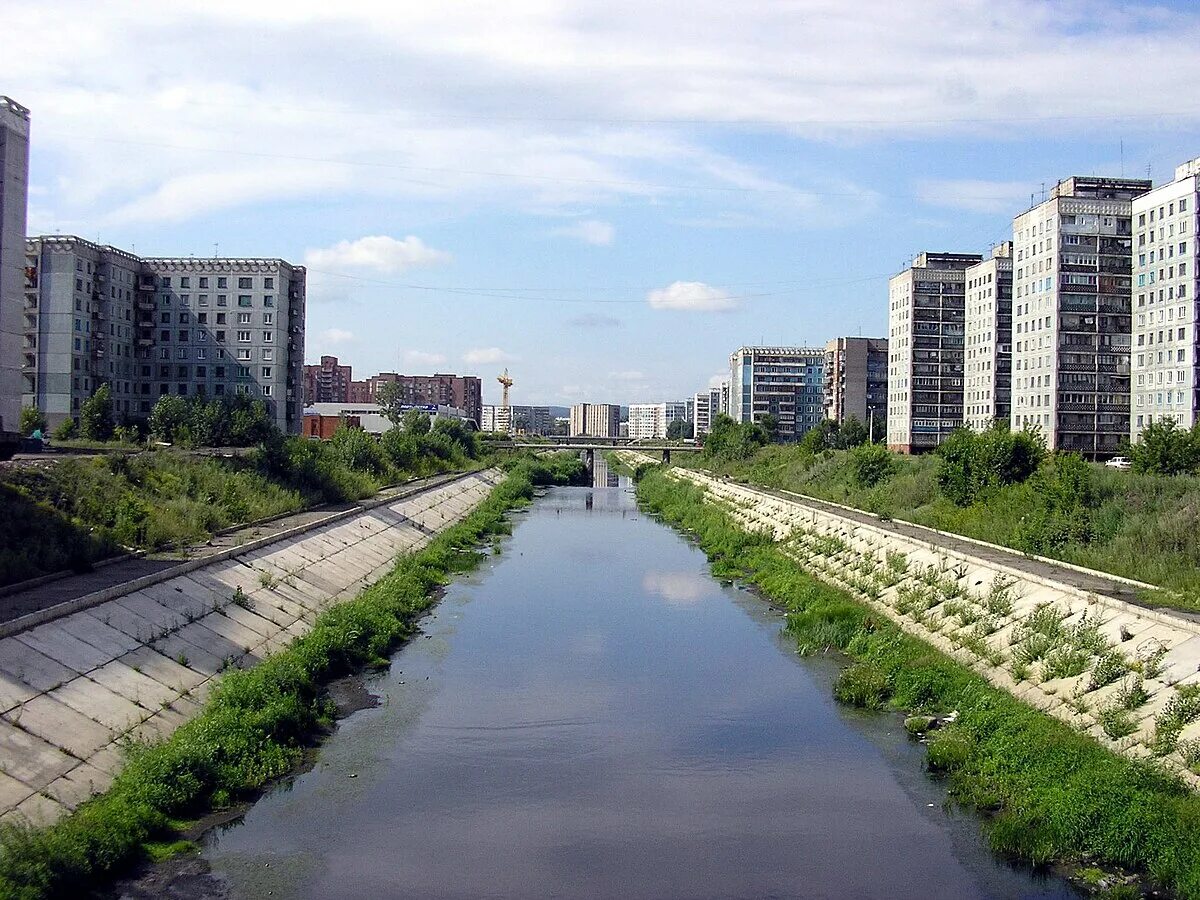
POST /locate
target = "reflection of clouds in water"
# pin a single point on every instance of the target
(682, 588)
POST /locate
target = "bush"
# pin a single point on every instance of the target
(360, 451)
(974, 465)
(1166, 449)
(1062, 508)
(96, 415)
(32, 419)
(728, 440)
(871, 464)
(66, 430)
(237, 421)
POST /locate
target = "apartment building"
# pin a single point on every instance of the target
(1165, 329)
(463, 392)
(856, 370)
(926, 310)
(517, 419)
(14, 192)
(702, 412)
(149, 327)
(785, 382)
(595, 420)
(650, 421)
(1071, 314)
(327, 382)
(987, 389)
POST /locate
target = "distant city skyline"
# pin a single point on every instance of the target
(608, 226)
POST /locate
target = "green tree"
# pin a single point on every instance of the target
(415, 421)
(728, 440)
(871, 464)
(1166, 449)
(852, 433)
(458, 432)
(66, 430)
(679, 430)
(169, 417)
(32, 419)
(821, 437)
(972, 465)
(770, 427)
(96, 421)
(387, 395)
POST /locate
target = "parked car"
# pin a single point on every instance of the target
(1119, 462)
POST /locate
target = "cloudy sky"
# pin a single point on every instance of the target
(605, 196)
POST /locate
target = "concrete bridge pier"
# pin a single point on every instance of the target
(666, 456)
(589, 460)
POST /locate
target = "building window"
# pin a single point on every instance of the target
(268, 318)
(243, 337)
(268, 336)
(243, 353)
(266, 371)
(244, 300)
(243, 318)
(269, 283)
(185, 281)
(245, 284)
(268, 355)
(222, 282)
(222, 300)
(243, 371)
(203, 282)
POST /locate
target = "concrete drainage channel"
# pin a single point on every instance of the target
(80, 682)
(1126, 675)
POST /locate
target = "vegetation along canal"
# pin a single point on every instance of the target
(591, 714)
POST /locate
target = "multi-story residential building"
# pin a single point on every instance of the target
(925, 350)
(149, 327)
(463, 392)
(987, 392)
(596, 420)
(856, 381)
(702, 412)
(787, 383)
(328, 382)
(14, 191)
(1071, 314)
(517, 419)
(1166, 333)
(650, 421)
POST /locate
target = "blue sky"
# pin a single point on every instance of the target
(604, 197)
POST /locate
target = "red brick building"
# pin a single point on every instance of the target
(462, 391)
(328, 382)
(323, 427)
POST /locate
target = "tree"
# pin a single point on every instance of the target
(168, 417)
(852, 433)
(727, 439)
(66, 430)
(415, 422)
(32, 419)
(770, 427)
(870, 464)
(679, 429)
(96, 415)
(973, 465)
(822, 436)
(1166, 449)
(387, 395)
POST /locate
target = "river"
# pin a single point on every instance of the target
(592, 715)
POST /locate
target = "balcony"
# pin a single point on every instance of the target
(145, 303)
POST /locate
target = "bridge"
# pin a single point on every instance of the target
(591, 445)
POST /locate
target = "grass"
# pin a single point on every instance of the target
(253, 728)
(1144, 527)
(1048, 793)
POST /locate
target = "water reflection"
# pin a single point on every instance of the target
(594, 716)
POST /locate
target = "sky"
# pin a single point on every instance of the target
(606, 197)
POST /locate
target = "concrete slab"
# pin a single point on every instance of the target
(248, 618)
(153, 614)
(59, 724)
(164, 670)
(100, 704)
(90, 627)
(127, 622)
(30, 667)
(40, 811)
(186, 653)
(236, 635)
(133, 685)
(64, 647)
(30, 759)
(80, 784)
(12, 791)
(215, 646)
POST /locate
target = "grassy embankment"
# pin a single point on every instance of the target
(1145, 527)
(257, 722)
(1048, 792)
(69, 514)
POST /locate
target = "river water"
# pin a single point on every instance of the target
(592, 715)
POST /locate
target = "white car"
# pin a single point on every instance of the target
(1119, 462)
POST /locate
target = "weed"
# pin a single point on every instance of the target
(1150, 657)
(1116, 722)
(239, 598)
(1066, 662)
(897, 562)
(182, 659)
(999, 599)
(266, 580)
(1109, 667)
(1131, 694)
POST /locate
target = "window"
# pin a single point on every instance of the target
(266, 371)
(268, 355)
(164, 353)
(165, 318)
(181, 353)
(201, 353)
(201, 371)
(185, 281)
(203, 282)
(243, 371)
(220, 371)
(183, 337)
(203, 300)
(243, 337)
(243, 318)
(269, 283)
(222, 282)
(245, 284)
(268, 301)
(268, 318)
(166, 281)
(268, 336)
(165, 335)
(201, 318)
(245, 300)
(222, 300)
(243, 353)
(220, 318)
(266, 390)
(221, 337)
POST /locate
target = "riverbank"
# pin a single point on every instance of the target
(253, 728)
(1048, 792)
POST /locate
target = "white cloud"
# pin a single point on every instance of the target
(421, 358)
(715, 381)
(336, 336)
(485, 356)
(975, 195)
(677, 588)
(590, 231)
(378, 253)
(691, 296)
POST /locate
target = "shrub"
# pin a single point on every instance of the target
(1062, 510)
(975, 465)
(871, 464)
(729, 440)
(1166, 449)
(96, 415)
(66, 430)
(32, 419)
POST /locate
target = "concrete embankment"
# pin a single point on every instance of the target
(134, 666)
(1124, 674)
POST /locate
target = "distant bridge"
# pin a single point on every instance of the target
(591, 445)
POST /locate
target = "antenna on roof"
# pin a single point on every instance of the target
(216, 249)
(1122, 157)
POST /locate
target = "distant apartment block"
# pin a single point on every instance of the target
(14, 314)
(327, 382)
(149, 327)
(650, 421)
(987, 392)
(595, 420)
(1166, 334)
(706, 406)
(856, 370)
(925, 349)
(1071, 314)
(535, 420)
(785, 382)
(463, 392)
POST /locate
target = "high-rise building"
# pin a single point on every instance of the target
(595, 420)
(925, 350)
(1166, 333)
(787, 383)
(328, 382)
(987, 392)
(650, 421)
(152, 327)
(14, 192)
(856, 381)
(463, 392)
(1071, 314)
(517, 419)
(702, 412)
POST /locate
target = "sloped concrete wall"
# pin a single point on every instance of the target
(76, 690)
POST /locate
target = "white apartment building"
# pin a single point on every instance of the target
(595, 420)
(151, 327)
(926, 311)
(650, 421)
(987, 389)
(1165, 329)
(1071, 314)
(14, 192)
(706, 406)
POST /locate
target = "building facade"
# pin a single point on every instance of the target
(14, 193)
(1071, 314)
(787, 383)
(987, 389)
(463, 392)
(595, 420)
(1166, 334)
(534, 420)
(327, 382)
(651, 421)
(149, 327)
(702, 412)
(926, 309)
(856, 381)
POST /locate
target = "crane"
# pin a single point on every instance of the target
(507, 382)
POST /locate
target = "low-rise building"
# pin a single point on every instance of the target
(856, 381)
(371, 417)
(787, 383)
